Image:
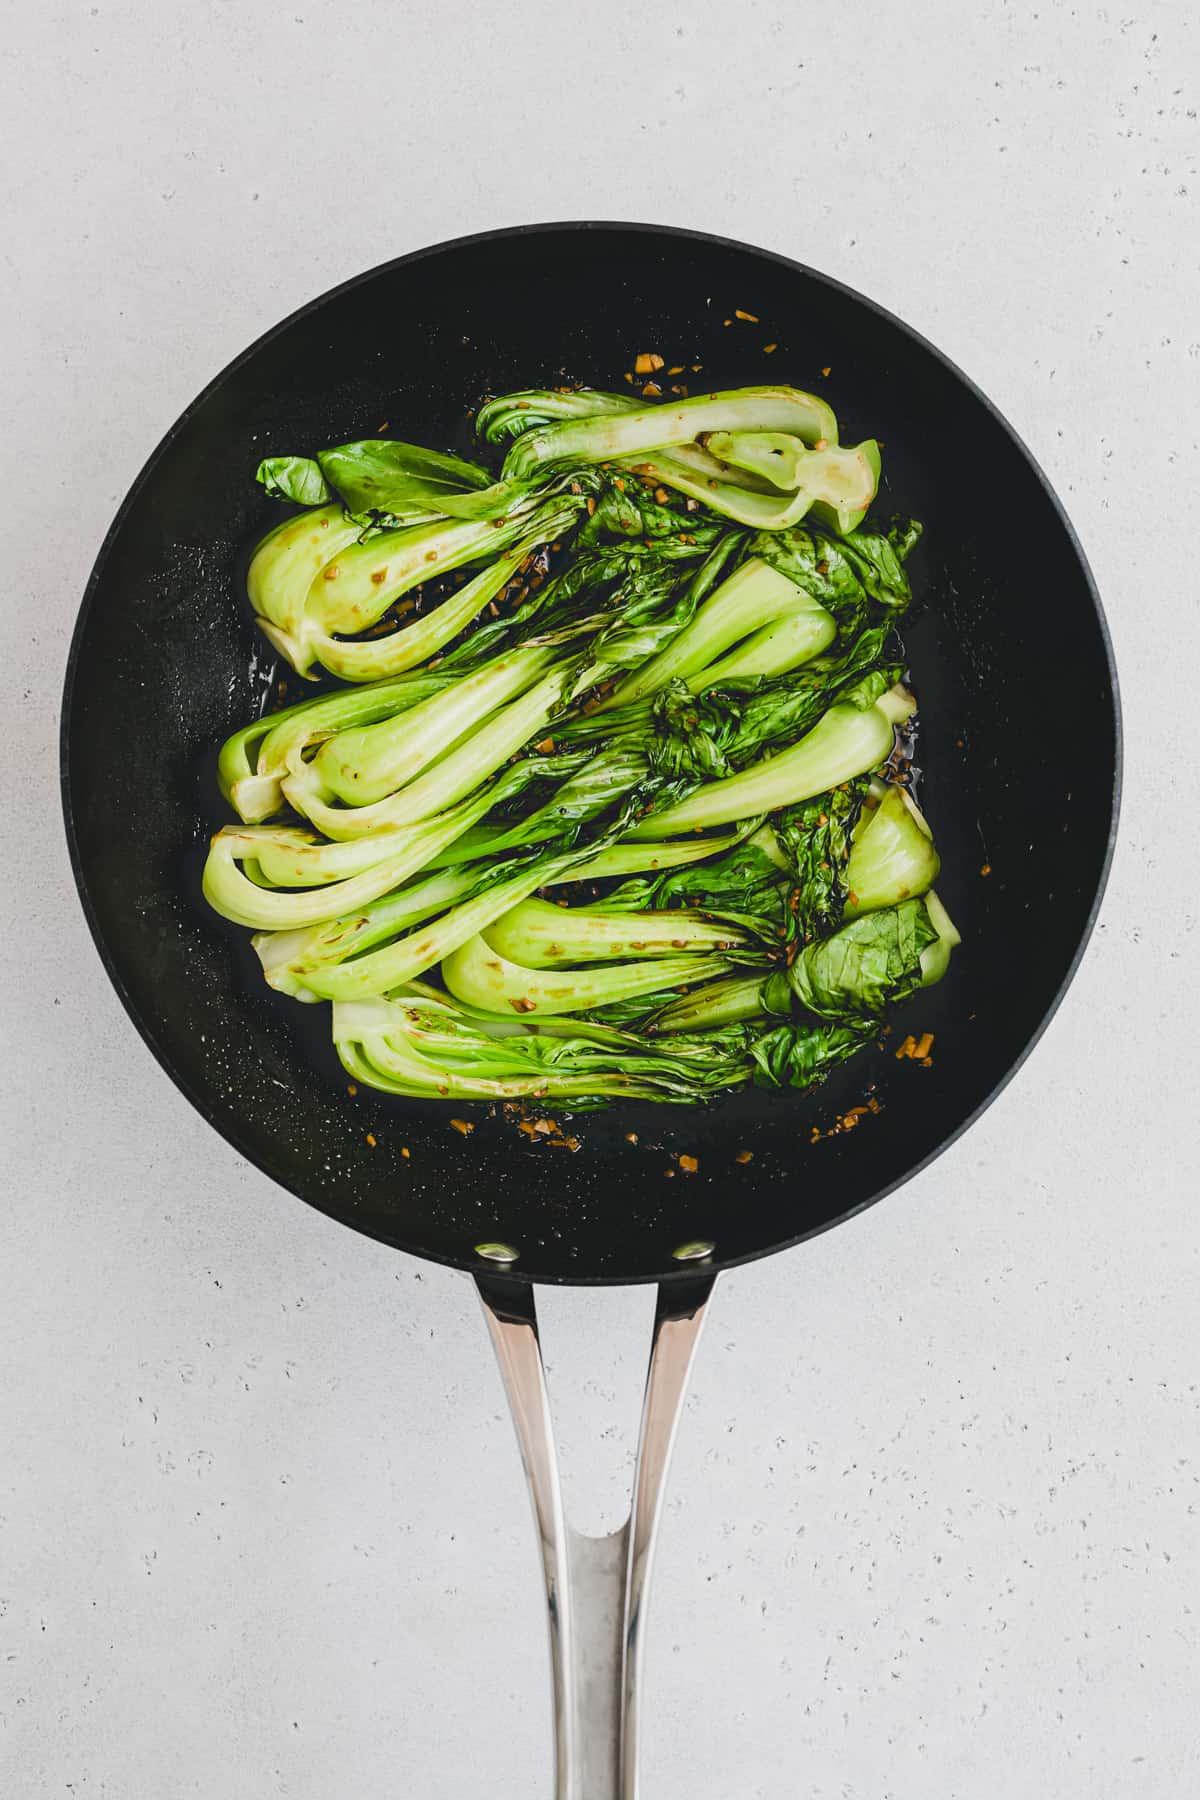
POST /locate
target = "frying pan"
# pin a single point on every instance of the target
(1017, 756)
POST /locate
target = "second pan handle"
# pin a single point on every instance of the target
(595, 1587)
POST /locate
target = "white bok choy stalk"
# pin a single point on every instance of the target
(380, 971)
(324, 576)
(369, 659)
(764, 478)
(847, 741)
(478, 975)
(342, 875)
(289, 956)
(545, 936)
(253, 761)
(366, 763)
(285, 955)
(649, 428)
(422, 1043)
(753, 597)
(892, 855)
(840, 481)
(448, 778)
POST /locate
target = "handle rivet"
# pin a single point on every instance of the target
(696, 1251)
(500, 1253)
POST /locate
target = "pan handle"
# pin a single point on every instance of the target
(595, 1587)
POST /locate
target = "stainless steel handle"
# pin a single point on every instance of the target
(595, 1587)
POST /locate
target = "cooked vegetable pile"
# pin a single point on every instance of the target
(612, 808)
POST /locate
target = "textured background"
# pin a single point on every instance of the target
(933, 1526)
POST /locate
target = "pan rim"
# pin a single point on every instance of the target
(496, 235)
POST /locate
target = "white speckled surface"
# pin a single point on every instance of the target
(934, 1519)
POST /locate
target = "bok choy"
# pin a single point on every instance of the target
(608, 800)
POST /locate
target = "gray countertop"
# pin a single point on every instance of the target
(933, 1525)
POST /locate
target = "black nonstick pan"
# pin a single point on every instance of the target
(1018, 760)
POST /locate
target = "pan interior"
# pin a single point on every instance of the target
(1017, 747)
